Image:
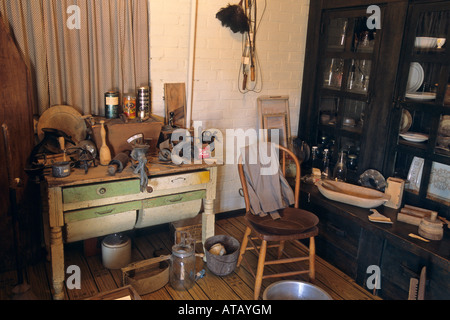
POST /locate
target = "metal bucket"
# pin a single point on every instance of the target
(225, 264)
(294, 290)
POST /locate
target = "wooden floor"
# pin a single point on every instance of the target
(236, 286)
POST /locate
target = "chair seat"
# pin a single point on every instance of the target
(294, 223)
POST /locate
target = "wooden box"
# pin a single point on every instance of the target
(148, 275)
(192, 225)
(118, 132)
(123, 293)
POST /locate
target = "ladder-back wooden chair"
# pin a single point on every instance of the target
(254, 231)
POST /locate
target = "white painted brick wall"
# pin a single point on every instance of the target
(217, 101)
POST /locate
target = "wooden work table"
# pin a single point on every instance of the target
(93, 204)
(351, 242)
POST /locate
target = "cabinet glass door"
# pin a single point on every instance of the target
(423, 147)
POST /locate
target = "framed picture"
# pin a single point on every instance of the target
(273, 122)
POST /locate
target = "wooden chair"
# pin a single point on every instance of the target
(265, 236)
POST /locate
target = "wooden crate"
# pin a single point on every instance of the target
(192, 225)
(122, 293)
(148, 275)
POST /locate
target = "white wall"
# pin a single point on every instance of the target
(217, 101)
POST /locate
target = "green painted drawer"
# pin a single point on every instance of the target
(103, 211)
(100, 191)
(173, 199)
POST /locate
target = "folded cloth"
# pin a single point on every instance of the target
(268, 190)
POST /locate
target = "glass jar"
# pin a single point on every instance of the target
(182, 264)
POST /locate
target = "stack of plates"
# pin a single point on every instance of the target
(415, 80)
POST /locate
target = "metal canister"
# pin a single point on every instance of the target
(143, 102)
(129, 106)
(112, 104)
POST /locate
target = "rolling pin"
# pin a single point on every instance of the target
(105, 153)
(119, 162)
(62, 146)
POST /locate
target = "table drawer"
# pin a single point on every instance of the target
(100, 221)
(100, 191)
(178, 180)
(170, 208)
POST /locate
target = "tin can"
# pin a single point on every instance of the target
(111, 104)
(129, 106)
(143, 102)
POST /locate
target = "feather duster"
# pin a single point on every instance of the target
(233, 16)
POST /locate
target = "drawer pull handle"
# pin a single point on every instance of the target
(105, 212)
(176, 199)
(101, 191)
(179, 178)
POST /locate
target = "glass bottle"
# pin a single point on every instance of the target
(325, 164)
(315, 161)
(340, 170)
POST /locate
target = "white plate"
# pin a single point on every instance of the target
(415, 77)
(421, 95)
(414, 137)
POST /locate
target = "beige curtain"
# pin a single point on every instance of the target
(76, 66)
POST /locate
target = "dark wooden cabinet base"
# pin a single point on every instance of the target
(349, 241)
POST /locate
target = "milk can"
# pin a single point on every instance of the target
(182, 263)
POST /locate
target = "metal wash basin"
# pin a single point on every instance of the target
(351, 194)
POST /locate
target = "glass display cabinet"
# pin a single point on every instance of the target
(353, 91)
(421, 119)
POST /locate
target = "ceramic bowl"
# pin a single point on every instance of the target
(425, 42)
(349, 122)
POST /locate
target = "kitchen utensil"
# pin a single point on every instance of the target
(415, 77)
(351, 194)
(406, 121)
(417, 286)
(431, 228)
(425, 42)
(64, 118)
(63, 148)
(414, 136)
(61, 169)
(294, 290)
(222, 264)
(116, 251)
(378, 217)
(415, 236)
(119, 162)
(105, 153)
(395, 187)
(421, 95)
(182, 263)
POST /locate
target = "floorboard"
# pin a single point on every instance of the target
(151, 242)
